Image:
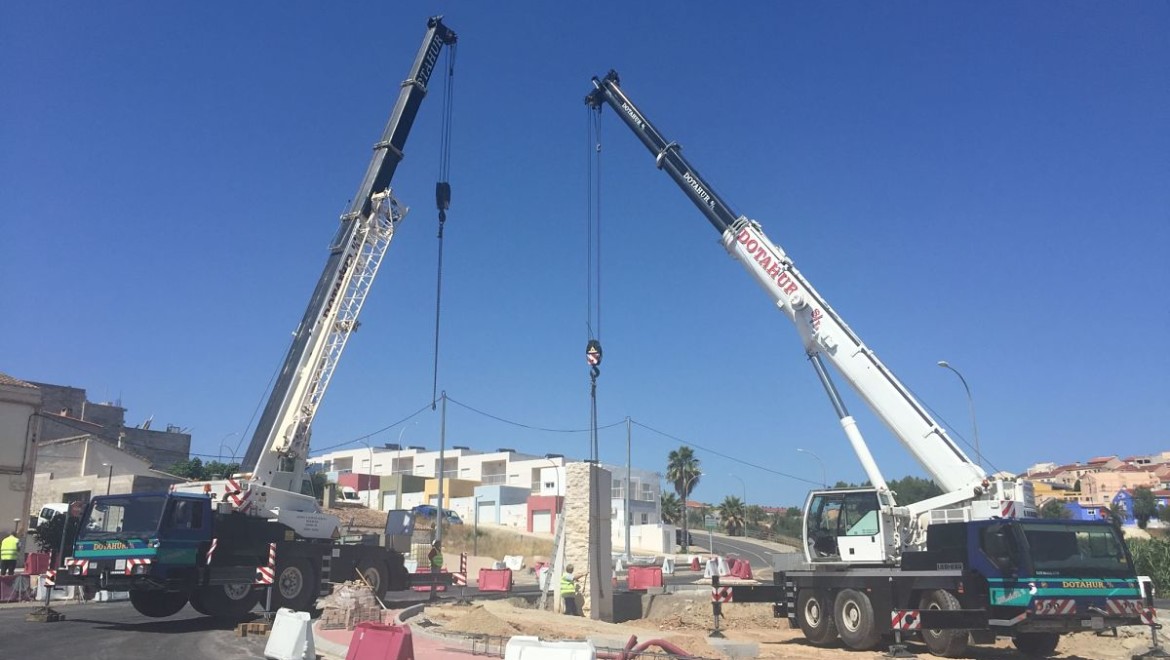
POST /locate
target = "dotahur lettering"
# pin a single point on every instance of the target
(1083, 584)
(633, 115)
(428, 63)
(699, 190)
(763, 257)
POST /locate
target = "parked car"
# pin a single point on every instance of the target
(428, 512)
(678, 537)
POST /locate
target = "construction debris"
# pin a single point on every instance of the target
(350, 603)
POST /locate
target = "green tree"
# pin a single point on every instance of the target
(671, 508)
(914, 489)
(48, 534)
(754, 517)
(1054, 510)
(191, 468)
(1145, 506)
(731, 514)
(682, 470)
(1116, 515)
(196, 470)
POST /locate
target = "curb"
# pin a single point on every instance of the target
(326, 647)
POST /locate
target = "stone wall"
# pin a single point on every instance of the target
(588, 546)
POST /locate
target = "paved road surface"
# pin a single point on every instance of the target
(114, 631)
(758, 554)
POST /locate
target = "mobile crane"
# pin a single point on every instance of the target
(971, 564)
(215, 543)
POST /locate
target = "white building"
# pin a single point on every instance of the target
(540, 475)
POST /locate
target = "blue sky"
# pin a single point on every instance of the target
(985, 183)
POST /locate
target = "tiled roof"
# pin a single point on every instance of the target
(5, 379)
(1101, 459)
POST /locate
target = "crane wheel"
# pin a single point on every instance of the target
(815, 617)
(295, 585)
(158, 604)
(1037, 644)
(375, 574)
(226, 601)
(943, 643)
(853, 614)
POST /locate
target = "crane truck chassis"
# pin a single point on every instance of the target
(170, 549)
(971, 564)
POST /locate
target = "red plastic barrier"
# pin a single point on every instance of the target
(644, 577)
(427, 587)
(695, 564)
(741, 569)
(495, 579)
(8, 591)
(36, 563)
(378, 641)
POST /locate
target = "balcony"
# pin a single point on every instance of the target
(494, 479)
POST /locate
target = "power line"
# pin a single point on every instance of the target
(529, 426)
(728, 457)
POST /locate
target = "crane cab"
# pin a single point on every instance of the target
(850, 526)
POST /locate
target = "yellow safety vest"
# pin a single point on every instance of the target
(9, 548)
(437, 562)
(567, 586)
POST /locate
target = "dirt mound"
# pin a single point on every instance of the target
(479, 621)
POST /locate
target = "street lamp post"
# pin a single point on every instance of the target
(369, 473)
(109, 476)
(741, 482)
(824, 480)
(475, 531)
(971, 407)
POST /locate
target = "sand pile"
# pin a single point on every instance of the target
(479, 621)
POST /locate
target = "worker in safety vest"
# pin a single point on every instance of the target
(569, 591)
(9, 553)
(435, 556)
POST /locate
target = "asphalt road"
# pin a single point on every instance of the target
(114, 631)
(760, 556)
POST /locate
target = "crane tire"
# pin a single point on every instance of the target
(375, 574)
(1037, 644)
(158, 604)
(856, 623)
(943, 643)
(815, 617)
(225, 601)
(295, 585)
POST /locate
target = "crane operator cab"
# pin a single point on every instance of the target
(848, 526)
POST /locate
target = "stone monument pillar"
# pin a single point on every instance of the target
(588, 544)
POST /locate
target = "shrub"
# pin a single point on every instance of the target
(1152, 557)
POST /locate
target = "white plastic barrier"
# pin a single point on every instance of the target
(716, 566)
(618, 565)
(668, 565)
(542, 575)
(291, 637)
(531, 648)
(514, 562)
(411, 565)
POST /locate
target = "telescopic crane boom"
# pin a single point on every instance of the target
(825, 335)
(275, 460)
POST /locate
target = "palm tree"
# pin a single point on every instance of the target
(671, 508)
(682, 470)
(731, 513)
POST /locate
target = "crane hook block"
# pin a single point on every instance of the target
(443, 195)
(593, 353)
